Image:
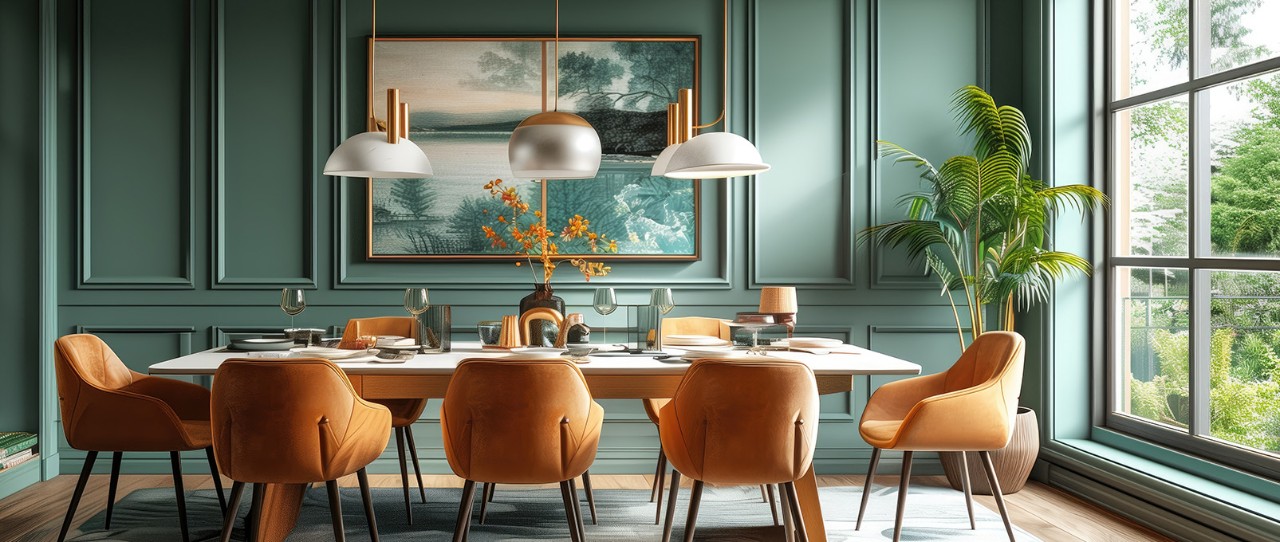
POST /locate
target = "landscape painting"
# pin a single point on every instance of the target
(466, 95)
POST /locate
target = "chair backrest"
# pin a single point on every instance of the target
(742, 422)
(993, 356)
(403, 326)
(518, 421)
(86, 358)
(695, 325)
(274, 421)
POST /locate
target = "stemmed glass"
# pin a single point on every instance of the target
(662, 299)
(415, 301)
(606, 301)
(292, 302)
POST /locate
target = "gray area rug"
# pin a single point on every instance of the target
(726, 514)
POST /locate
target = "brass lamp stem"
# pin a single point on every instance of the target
(404, 120)
(684, 128)
(393, 115)
(673, 120)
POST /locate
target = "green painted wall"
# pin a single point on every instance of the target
(190, 137)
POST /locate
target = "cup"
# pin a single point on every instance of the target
(490, 331)
(435, 328)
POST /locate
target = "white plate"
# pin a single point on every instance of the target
(810, 342)
(691, 355)
(694, 340)
(331, 354)
(535, 352)
(364, 358)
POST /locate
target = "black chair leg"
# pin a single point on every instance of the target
(217, 479)
(591, 498)
(255, 510)
(866, 488)
(995, 492)
(695, 498)
(404, 473)
(772, 504)
(671, 505)
(417, 469)
(89, 458)
(902, 495)
(577, 510)
(485, 490)
(657, 475)
(793, 502)
(111, 489)
(363, 477)
(570, 504)
(464, 511)
(175, 460)
(662, 475)
(968, 489)
(335, 510)
(229, 520)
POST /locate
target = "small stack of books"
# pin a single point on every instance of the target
(16, 449)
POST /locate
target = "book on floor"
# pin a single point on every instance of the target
(18, 459)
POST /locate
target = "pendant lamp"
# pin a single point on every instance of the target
(713, 155)
(554, 144)
(380, 155)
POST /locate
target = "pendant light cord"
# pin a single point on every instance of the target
(373, 72)
(555, 100)
(724, 84)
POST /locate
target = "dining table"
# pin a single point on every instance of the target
(610, 375)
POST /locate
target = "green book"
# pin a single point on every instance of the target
(13, 443)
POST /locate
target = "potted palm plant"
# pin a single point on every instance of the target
(980, 225)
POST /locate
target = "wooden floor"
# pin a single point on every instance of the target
(36, 513)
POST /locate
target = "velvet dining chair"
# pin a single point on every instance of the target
(723, 407)
(520, 422)
(967, 408)
(106, 407)
(294, 421)
(404, 412)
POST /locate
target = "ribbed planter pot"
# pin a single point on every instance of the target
(1012, 464)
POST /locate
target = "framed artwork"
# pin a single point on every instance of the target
(466, 95)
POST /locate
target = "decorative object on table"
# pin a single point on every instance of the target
(754, 322)
(662, 300)
(993, 241)
(780, 302)
(554, 144)
(261, 345)
(542, 297)
(540, 326)
(570, 320)
(651, 217)
(604, 301)
(713, 155)
(435, 329)
(292, 301)
(379, 155)
(490, 331)
(1013, 463)
(305, 335)
(579, 333)
(510, 332)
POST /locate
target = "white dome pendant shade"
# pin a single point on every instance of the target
(664, 158)
(715, 155)
(369, 155)
(554, 145)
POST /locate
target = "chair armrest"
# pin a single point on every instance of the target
(976, 418)
(894, 400)
(188, 401)
(123, 420)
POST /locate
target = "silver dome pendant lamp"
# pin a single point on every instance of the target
(554, 144)
(713, 155)
(380, 155)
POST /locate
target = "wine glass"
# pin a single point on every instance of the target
(415, 301)
(663, 300)
(292, 302)
(606, 301)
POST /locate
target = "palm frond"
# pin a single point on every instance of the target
(995, 128)
(916, 235)
(1077, 197)
(900, 155)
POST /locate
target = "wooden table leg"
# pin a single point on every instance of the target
(280, 506)
(810, 508)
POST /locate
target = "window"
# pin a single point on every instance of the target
(1193, 257)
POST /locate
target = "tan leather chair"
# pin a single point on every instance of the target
(294, 421)
(723, 407)
(108, 407)
(520, 422)
(404, 412)
(967, 408)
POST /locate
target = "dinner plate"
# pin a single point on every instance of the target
(696, 353)
(693, 340)
(809, 342)
(536, 352)
(261, 345)
(331, 354)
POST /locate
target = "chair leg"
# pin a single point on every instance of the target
(229, 520)
(577, 510)
(111, 489)
(968, 489)
(995, 492)
(485, 490)
(764, 495)
(671, 505)
(695, 498)
(866, 488)
(417, 469)
(902, 495)
(658, 481)
(591, 498)
(786, 515)
(464, 511)
(363, 477)
(175, 459)
(335, 510)
(255, 511)
(793, 502)
(570, 503)
(772, 503)
(217, 479)
(89, 458)
(657, 475)
(404, 473)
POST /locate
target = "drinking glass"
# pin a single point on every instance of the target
(606, 301)
(663, 300)
(415, 301)
(292, 302)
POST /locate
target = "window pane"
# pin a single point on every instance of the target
(1244, 396)
(1150, 184)
(1245, 211)
(1151, 45)
(1243, 32)
(1152, 342)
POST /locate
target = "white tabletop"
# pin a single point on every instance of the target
(850, 360)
